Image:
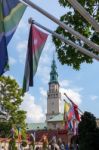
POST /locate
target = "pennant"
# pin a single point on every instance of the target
(36, 43)
(77, 116)
(11, 12)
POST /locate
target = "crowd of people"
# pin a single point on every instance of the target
(55, 144)
(51, 145)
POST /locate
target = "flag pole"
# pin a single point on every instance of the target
(79, 48)
(84, 13)
(63, 25)
(72, 102)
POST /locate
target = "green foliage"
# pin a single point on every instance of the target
(5, 128)
(88, 132)
(66, 53)
(24, 143)
(12, 145)
(11, 99)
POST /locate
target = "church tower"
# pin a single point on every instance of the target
(53, 94)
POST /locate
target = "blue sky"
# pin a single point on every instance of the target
(81, 85)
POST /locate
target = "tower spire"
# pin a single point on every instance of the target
(53, 73)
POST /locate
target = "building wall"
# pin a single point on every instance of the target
(55, 125)
(52, 105)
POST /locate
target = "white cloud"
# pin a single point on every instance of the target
(12, 61)
(94, 97)
(43, 92)
(64, 83)
(72, 94)
(43, 99)
(34, 111)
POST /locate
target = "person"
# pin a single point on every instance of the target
(45, 143)
(67, 148)
(62, 147)
(77, 147)
(32, 140)
(0, 144)
(54, 145)
(61, 144)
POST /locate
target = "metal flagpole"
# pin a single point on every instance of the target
(72, 102)
(79, 48)
(64, 26)
(85, 14)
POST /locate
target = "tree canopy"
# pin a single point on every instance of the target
(88, 132)
(66, 53)
(11, 99)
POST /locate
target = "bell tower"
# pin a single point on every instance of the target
(53, 94)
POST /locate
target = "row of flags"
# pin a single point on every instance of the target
(71, 117)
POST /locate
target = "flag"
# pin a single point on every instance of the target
(11, 12)
(70, 125)
(71, 113)
(66, 110)
(75, 127)
(36, 42)
(77, 116)
(75, 107)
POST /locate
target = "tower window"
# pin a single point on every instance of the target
(48, 95)
(56, 95)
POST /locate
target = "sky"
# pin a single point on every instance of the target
(81, 86)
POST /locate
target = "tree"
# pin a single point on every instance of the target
(66, 53)
(11, 99)
(88, 132)
(5, 128)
